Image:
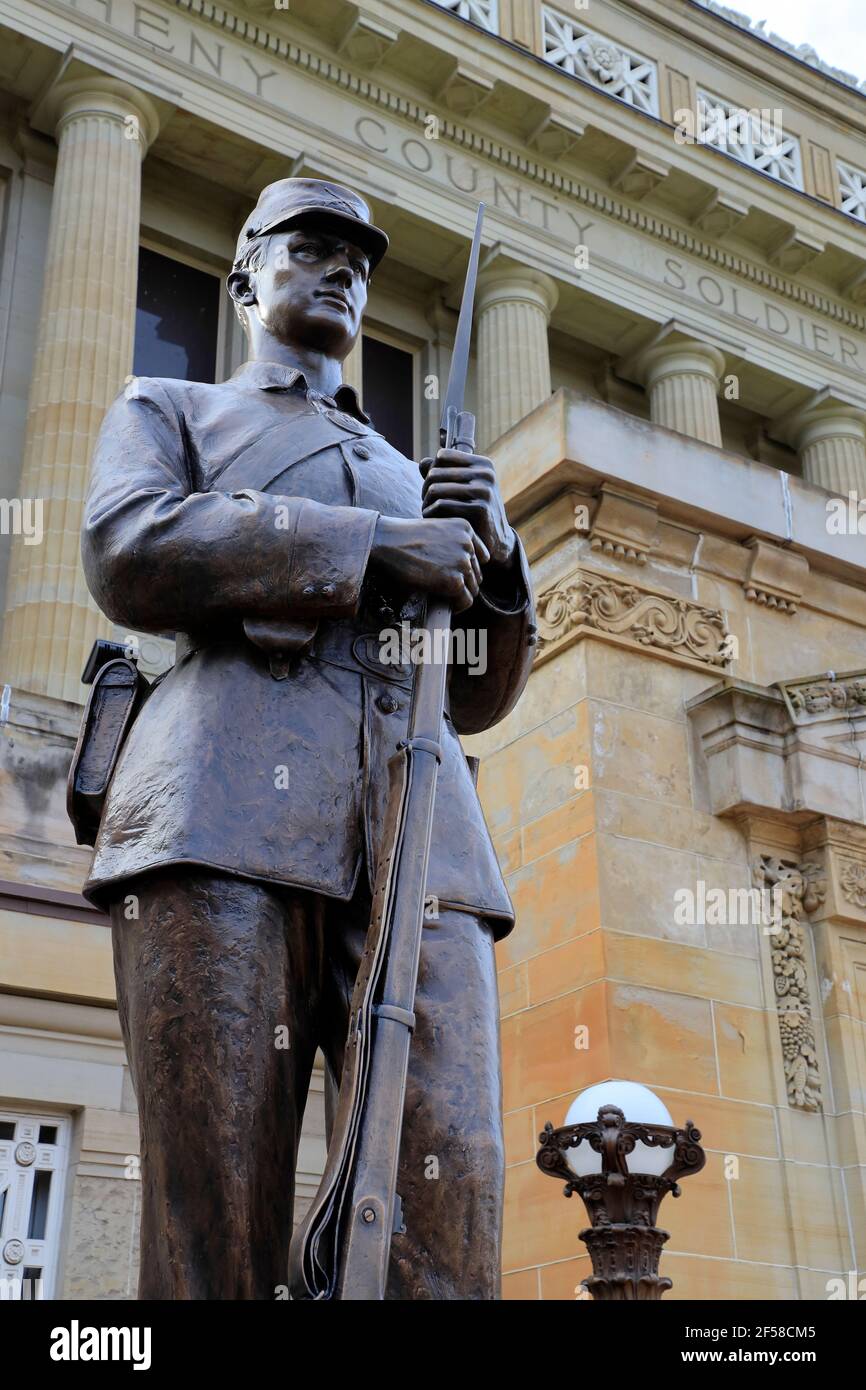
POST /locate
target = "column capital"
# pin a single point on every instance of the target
(825, 416)
(676, 351)
(80, 89)
(503, 282)
(681, 370)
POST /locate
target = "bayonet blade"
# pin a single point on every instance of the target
(456, 389)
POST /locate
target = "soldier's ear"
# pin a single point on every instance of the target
(240, 287)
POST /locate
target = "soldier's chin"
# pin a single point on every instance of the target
(330, 328)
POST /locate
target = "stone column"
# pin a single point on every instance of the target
(831, 442)
(83, 354)
(353, 370)
(512, 307)
(435, 364)
(682, 379)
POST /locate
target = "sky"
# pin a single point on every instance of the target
(835, 28)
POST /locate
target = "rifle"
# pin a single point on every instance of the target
(341, 1249)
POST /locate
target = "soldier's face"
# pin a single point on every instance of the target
(312, 290)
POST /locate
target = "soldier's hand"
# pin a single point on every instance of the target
(464, 485)
(441, 556)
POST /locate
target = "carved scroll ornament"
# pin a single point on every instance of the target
(604, 604)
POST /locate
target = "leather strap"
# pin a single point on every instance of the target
(393, 1011)
(289, 442)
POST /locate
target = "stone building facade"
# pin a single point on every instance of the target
(670, 372)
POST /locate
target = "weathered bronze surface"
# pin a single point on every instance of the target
(209, 972)
(267, 523)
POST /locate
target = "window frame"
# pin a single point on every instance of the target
(54, 1224)
(404, 343)
(225, 309)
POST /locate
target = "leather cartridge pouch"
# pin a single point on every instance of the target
(115, 698)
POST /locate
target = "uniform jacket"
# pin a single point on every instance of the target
(257, 499)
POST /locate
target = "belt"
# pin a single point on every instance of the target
(365, 653)
(335, 644)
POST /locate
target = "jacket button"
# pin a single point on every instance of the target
(361, 451)
(387, 704)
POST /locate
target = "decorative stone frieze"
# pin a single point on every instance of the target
(251, 32)
(570, 46)
(852, 880)
(852, 190)
(484, 13)
(841, 846)
(810, 699)
(747, 136)
(797, 890)
(586, 603)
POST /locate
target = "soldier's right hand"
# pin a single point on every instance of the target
(438, 555)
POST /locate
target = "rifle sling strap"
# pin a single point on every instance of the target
(422, 745)
(396, 1014)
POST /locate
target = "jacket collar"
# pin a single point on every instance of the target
(273, 376)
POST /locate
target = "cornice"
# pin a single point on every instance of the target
(506, 156)
(769, 49)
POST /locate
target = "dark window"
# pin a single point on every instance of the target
(7, 1129)
(176, 318)
(389, 389)
(48, 1134)
(39, 1205)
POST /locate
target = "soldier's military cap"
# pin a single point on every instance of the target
(334, 208)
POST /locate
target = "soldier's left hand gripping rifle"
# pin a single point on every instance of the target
(341, 1249)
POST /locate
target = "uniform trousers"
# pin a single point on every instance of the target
(226, 988)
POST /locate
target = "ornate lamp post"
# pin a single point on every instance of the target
(622, 1198)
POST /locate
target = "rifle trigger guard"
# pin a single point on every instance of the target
(422, 745)
(396, 1014)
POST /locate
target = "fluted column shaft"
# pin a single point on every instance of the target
(682, 380)
(353, 369)
(832, 449)
(513, 308)
(83, 354)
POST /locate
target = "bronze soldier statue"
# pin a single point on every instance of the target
(268, 525)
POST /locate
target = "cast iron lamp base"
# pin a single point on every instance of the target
(623, 1241)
